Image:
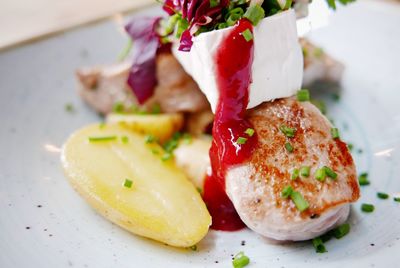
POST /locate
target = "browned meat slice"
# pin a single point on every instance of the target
(176, 90)
(102, 86)
(255, 187)
(319, 66)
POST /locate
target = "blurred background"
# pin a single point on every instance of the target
(26, 20)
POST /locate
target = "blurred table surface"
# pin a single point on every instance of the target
(25, 20)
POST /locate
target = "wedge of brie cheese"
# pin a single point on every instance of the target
(277, 69)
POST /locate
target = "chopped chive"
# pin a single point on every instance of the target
(289, 147)
(320, 174)
(214, 3)
(319, 245)
(350, 146)
(102, 138)
(341, 231)
(240, 260)
(287, 131)
(247, 34)
(166, 156)
(118, 107)
(241, 140)
(330, 173)
(287, 191)
(69, 107)
(318, 52)
(299, 201)
(335, 96)
(335, 133)
(156, 109)
(194, 247)
(249, 132)
(305, 171)
(155, 151)
(363, 179)
(288, 4)
(295, 174)
(124, 139)
(102, 125)
(199, 190)
(396, 199)
(382, 195)
(150, 138)
(254, 14)
(187, 138)
(128, 183)
(367, 208)
(303, 95)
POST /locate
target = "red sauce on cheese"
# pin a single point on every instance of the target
(234, 60)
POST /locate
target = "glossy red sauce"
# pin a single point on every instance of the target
(234, 60)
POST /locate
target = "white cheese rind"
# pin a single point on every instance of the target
(277, 69)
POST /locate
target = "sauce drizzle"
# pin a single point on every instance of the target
(234, 59)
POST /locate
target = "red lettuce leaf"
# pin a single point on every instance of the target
(142, 77)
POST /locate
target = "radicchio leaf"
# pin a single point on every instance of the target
(142, 77)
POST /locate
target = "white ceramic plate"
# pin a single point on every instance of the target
(44, 223)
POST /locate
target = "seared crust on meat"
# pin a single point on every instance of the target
(255, 187)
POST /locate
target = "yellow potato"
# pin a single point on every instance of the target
(161, 204)
(161, 126)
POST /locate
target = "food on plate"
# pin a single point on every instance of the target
(162, 126)
(232, 69)
(119, 174)
(256, 187)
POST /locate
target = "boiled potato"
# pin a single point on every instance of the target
(161, 126)
(194, 160)
(161, 203)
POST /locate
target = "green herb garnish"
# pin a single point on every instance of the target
(150, 138)
(69, 108)
(367, 208)
(128, 183)
(295, 174)
(166, 156)
(299, 201)
(320, 174)
(254, 14)
(305, 171)
(241, 140)
(330, 173)
(341, 231)
(287, 191)
(396, 199)
(249, 132)
(102, 138)
(287, 131)
(303, 95)
(382, 195)
(335, 133)
(247, 35)
(289, 147)
(124, 139)
(240, 260)
(319, 245)
(363, 179)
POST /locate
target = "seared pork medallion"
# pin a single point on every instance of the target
(312, 162)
